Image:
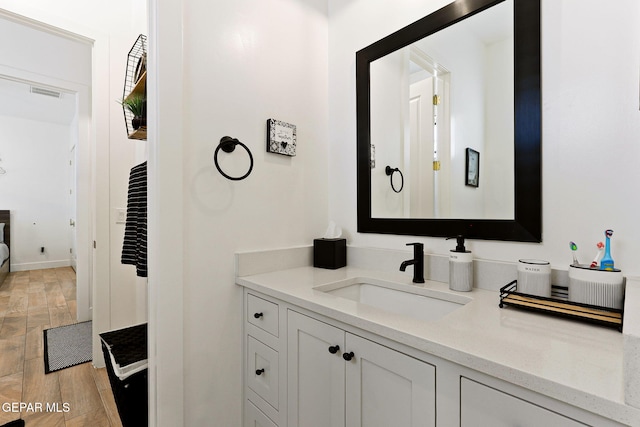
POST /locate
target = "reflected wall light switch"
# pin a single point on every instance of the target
(372, 159)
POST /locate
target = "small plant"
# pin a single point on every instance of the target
(135, 103)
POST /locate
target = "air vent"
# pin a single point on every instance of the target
(45, 92)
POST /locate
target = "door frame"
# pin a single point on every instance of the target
(166, 260)
(73, 207)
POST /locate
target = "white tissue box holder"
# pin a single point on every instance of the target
(601, 288)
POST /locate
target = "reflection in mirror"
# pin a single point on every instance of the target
(433, 99)
(464, 79)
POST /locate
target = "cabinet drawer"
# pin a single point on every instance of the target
(481, 405)
(263, 314)
(262, 370)
(253, 417)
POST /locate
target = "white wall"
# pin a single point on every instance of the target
(35, 155)
(499, 200)
(591, 125)
(244, 62)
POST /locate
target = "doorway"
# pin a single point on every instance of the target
(59, 92)
(38, 129)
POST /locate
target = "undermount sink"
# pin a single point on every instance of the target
(406, 300)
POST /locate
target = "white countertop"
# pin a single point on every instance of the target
(574, 362)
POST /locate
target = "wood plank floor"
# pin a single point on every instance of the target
(31, 301)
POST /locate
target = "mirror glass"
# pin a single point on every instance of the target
(449, 129)
(430, 101)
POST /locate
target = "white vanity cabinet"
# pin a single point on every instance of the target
(304, 369)
(337, 379)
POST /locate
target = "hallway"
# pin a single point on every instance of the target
(31, 301)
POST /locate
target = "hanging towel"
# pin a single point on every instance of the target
(134, 248)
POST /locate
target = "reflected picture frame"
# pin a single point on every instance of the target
(472, 168)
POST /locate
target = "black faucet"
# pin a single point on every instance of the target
(417, 262)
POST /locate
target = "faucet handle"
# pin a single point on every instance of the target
(418, 248)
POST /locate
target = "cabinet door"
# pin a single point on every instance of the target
(253, 417)
(387, 388)
(263, 375)
(481, 405)
(315, 375)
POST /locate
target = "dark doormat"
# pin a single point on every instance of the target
(67, 346)
(16, 423)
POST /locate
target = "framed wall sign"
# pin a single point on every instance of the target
(472, 168)
(281, 137)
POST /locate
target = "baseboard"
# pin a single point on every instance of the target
(40, 265)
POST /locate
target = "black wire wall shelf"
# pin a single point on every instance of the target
(135, 85)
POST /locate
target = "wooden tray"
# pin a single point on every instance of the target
(559, 306)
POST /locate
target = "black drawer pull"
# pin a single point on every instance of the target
(334, 349)
(257, 315)
(348, 356)
(259, 371)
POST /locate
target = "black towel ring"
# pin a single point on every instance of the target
(228, 144)
(390, 171)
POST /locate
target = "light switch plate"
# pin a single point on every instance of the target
(121, 215)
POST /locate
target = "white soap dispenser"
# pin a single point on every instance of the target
(460, 267)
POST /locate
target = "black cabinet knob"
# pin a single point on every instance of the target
(257, 315)
(259, 371)
(348, 356)
(334, 349)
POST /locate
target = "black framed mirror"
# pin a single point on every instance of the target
(523, 219)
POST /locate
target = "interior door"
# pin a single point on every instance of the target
(421, 140)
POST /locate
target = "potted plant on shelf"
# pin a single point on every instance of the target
(137, 105)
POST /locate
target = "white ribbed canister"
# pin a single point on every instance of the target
(534, 277)
(592, 286)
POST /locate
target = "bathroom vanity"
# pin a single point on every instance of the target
(343, 348)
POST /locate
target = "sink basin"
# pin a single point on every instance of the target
(406, 300)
